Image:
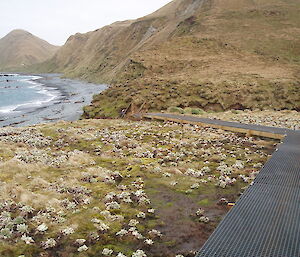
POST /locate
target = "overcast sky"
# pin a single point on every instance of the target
(56, 20)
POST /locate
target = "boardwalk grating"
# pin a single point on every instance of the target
(265, 221)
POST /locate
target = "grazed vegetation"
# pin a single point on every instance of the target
(119, 188)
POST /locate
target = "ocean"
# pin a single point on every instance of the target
(28, 99)
(18, 92)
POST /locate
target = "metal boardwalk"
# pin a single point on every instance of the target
(265, 221)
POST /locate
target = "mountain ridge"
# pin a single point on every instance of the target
(20, 48)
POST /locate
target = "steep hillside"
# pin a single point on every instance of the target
(20, 48)
(211, 54)
(102, 54)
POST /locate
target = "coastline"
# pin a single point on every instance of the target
(46, 95)
(72, 96)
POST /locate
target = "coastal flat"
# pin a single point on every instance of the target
(91, 187)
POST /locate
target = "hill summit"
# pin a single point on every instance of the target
(20, 48)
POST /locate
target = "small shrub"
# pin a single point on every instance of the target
(197, 111)
(176, 110)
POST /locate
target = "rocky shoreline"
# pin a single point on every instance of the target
(73, 96)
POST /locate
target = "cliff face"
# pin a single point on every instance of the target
(20, 48)
(212, 54)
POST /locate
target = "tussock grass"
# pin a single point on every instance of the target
(102, 174)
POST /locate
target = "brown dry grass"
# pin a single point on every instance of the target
(20, 49)
(242, 55)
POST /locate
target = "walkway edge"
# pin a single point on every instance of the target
(248, 132)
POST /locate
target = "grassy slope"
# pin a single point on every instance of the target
(242, 55)
(224, 57)
(102, 54)
(211, 54)
(20, 49)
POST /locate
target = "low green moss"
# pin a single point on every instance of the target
(206, 202)
(17, 249)
(176, 110)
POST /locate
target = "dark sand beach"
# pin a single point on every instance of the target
(72, 96)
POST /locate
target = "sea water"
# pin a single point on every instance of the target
(22, 91)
